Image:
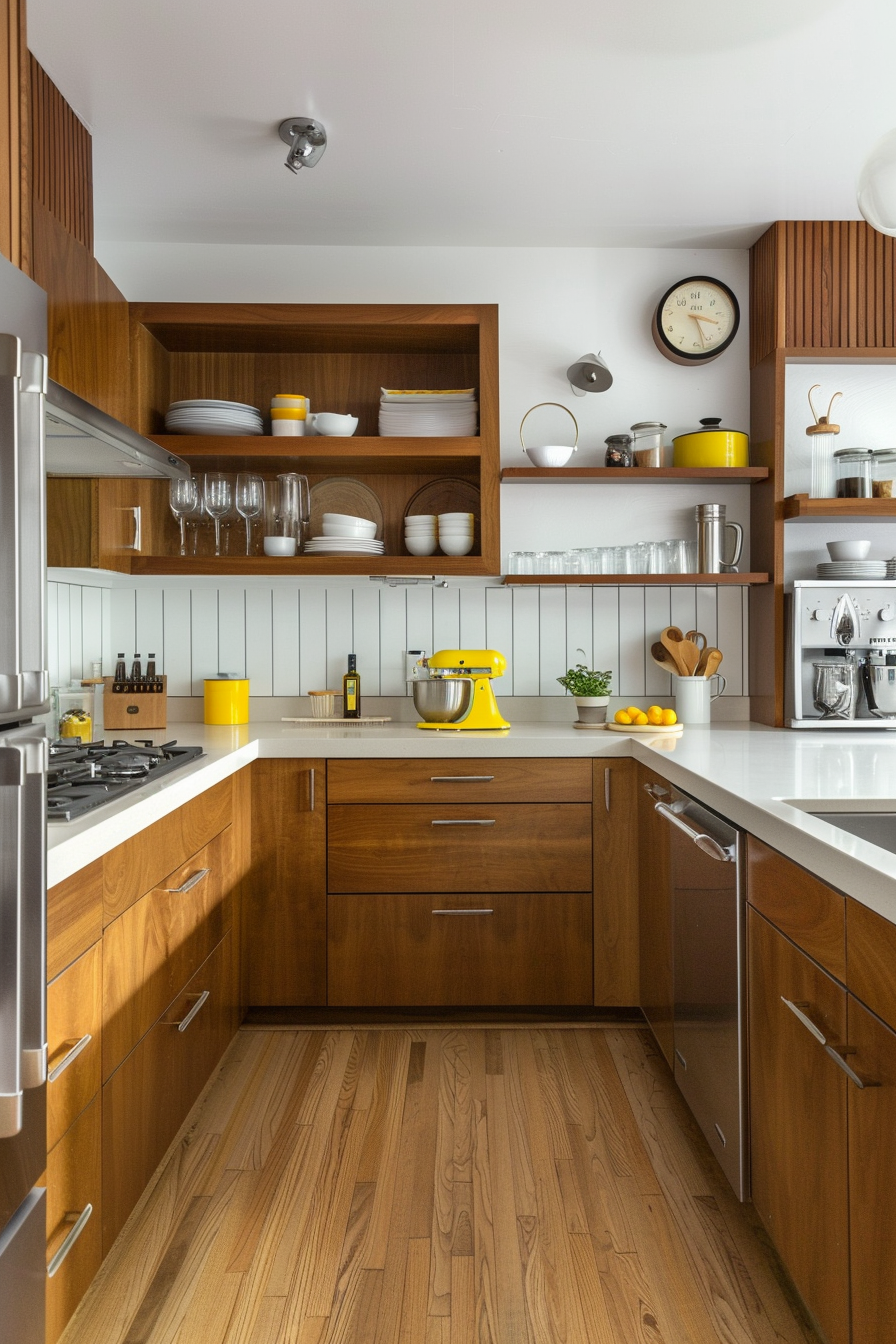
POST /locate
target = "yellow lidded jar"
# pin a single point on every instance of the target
(226, 700)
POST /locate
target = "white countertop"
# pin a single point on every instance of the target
(746, 772)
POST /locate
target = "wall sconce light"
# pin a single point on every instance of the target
(307, 141)
(589, 374)
(876, 190)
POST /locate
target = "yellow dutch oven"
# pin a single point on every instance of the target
(711, 447)
(226, 700)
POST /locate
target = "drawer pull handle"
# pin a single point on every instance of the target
(81, 1221)
(190, 883)
(69, 1058)
(463, 912)
(463, 823)
(461, 779)
(853, 1077)
(797, 1010)
(185, 1022)
(835, 1054)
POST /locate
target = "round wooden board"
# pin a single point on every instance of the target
(666, 728)
(342, 494)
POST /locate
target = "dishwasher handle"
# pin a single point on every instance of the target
(704, 842)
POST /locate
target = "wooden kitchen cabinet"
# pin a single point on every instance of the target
(74, 917)
(655, 911)
(74, 1188)
(615, 882)
(285, 920)
(74, 1041)
(467, 780)
(798, 1121)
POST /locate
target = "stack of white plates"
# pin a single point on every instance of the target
(345, 534)
(853, 569)
(428, 414)
(203, 416)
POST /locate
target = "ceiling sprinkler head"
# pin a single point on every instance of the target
(307, 141)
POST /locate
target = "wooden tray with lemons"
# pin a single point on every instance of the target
(654, 720)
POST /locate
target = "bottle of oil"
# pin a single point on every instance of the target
(121, 674)
(351, 691)
(153, 683)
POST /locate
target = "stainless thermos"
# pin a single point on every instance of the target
(711, 540)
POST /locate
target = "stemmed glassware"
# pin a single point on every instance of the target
(217, 494)
(183, 497)
(249, 501)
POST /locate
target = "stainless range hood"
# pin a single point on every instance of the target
(84, 441)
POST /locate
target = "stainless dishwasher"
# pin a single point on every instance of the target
(708, 975)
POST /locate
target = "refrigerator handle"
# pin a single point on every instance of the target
(11, 792)
(10, 637)
(33, 887)
(33, 537)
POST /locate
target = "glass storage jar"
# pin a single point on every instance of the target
(619, 450)
(648, 443)
(854, 473)
(883, 473)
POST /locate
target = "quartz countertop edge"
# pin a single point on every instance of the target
(746, 772)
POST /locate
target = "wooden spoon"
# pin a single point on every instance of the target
(709, 662)
(671, 639)
(663, 658)
(690, 656)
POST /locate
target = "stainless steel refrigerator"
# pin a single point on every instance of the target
(24, 695)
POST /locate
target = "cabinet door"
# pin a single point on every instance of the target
(615, 884)
(74, 1036)
(872, 1177)
(74, 1218)
(798, 1121)
(285, 917)
(655, 911)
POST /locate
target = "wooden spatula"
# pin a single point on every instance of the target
(710, 659)
(663, 658)
(671, 639)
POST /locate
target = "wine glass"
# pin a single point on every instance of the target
(183, 497)
(249, 501)
(217, 493)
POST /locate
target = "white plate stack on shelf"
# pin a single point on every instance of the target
(432, 413)
(420, 533)
(456, 533)
(203, 416)
(848, 561)
(344, 534)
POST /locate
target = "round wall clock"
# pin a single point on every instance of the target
(695, 320)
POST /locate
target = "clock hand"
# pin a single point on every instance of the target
(699, 317)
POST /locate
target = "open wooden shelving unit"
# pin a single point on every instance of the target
(317, 455)
(802, 508)
(648, 580)
(643, 475)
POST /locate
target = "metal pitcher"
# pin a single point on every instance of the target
(835, 689)
(711, 540)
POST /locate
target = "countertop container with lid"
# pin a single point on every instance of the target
(619, 450)
(854, 473)
(648, 443)
(226, 699)
(712, 446)
(883, 473)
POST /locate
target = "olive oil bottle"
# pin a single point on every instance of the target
(351, 691)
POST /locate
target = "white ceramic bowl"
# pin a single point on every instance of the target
(334, 426)
(455, 518)
(427, 530)
(550, 455)
(350, 519)
(418, 519)
(361, 531)
(281, 546)
(456, 545)
(421, 545)
(455, 531)
(848, 550)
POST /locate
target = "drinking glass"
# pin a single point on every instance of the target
(183, 497)
(627, 560)
(549, 562)
(249, 501)
(651, 557)
(293, 511)
(676, 556)
(217, 492)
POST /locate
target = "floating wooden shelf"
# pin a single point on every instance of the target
(803, 509)
(650, 580)
(316, 455)
(608, 475)
(306, 565)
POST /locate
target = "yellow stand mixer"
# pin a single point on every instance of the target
(478, 710)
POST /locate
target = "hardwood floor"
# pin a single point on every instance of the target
(433, 1186)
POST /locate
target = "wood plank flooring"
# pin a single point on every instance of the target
(441, 1186)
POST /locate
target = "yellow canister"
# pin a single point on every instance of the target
(226, 700)
(711, 446)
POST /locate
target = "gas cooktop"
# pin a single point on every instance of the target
(84, 776)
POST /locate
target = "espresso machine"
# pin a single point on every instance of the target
(842, 658)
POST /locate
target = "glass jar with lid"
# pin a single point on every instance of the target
(619, 450)
(854, 473)
(648, 443)
(883, 473)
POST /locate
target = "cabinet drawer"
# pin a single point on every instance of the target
(412, 950)
(74, 917)
(147, 1098)
(74, 1034)
(140, 864)
(801, 906)
(74, 1174)
(151, 950)
(465, 781)
(870, 958)
(471, 847)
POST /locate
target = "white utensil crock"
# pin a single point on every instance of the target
(693, 697)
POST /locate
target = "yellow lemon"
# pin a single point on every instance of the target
(642, 719)
(621, 716)
(631, 711)
(669, 717)
(655, 715)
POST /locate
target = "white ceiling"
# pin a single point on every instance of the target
(473, 122)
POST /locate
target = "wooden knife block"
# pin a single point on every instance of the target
(131, 712)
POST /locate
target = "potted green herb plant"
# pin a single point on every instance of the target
(589, 689)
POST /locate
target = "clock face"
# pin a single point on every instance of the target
(696, 320)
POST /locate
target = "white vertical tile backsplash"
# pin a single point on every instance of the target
(289, 640)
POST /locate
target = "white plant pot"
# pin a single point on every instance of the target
(592, 708)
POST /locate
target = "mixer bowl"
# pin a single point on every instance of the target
(443, 699)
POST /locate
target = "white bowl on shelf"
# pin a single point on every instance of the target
(445, 518)
(550, 455)
(848, 550)
(367, 532)
(420, 545)
(456, 545)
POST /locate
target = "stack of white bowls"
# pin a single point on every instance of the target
(344, 534)
(456, 533)
(420, 533)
